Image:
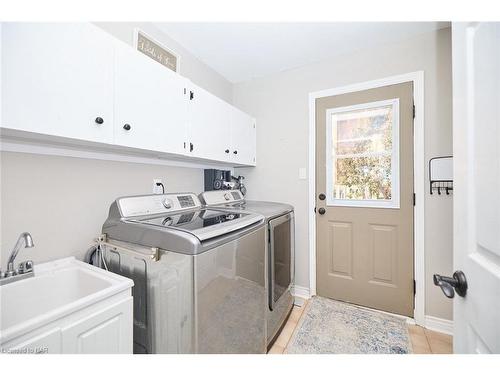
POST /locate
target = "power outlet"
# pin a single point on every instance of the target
(157, 189)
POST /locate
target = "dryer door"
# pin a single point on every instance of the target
(281, 257)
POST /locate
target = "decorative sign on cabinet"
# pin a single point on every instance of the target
(75, 82)
(151, 48)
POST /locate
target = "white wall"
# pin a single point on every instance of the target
(190, 67)
(64, 201)
(280, 104)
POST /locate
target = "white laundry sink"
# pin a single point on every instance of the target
(58, 289)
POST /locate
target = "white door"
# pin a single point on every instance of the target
(243, 138)
(210, 126)
(150, 103)
(57, 79)
(476, 148)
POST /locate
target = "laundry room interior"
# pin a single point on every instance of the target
(249, 187)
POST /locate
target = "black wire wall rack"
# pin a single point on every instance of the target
(441, 175)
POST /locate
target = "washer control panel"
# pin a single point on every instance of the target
(157, 204)
(215, 197)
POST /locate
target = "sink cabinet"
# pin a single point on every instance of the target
(104, 328)
(92, 319)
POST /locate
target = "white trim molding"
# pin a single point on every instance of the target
(419, 178)
(113, 154)
(438, 324)
(301, 294)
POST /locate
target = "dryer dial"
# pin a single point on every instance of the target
(167, 203)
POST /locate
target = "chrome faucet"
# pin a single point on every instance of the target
(26, 268)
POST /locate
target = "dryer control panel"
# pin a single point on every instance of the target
(216, 197)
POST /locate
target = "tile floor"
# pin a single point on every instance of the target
(423, 341)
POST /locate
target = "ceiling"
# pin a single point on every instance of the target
(242, 51)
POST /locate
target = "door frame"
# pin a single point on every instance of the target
(417, 78)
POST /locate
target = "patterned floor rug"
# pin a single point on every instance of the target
(332, 327)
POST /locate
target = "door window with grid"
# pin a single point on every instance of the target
(362, 155)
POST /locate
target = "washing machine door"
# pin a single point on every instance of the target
(281, 243)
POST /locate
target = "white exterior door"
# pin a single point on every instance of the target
(150, 103)
(243, 138)
(210, 126)
(57, 79)
(476, 148)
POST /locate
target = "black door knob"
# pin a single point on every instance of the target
(235, 152)
(322, 211)
(226, 151)
(127, 127)
(322, 197)
(450, 285)
(99, 120)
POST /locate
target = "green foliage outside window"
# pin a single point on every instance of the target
(363, 165)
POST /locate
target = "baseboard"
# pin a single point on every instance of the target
(438, 324)
(301, 294)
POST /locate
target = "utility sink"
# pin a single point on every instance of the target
(58, 289)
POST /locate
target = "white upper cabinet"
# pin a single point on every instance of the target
(74, 80)
(209, 125)
(243, 138)
(150, 103)
(57, 79)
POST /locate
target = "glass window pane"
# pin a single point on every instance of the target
(362, 131)
(363, 178)
(363, 155)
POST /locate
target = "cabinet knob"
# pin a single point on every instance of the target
(99, 120)
(127, 127)
(235, 152)
(227, 151)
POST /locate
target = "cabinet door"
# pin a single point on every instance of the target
(108, 331)
(44, 342)
(210, 126)
(57, 79)
(150, 103)
(243, 138)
